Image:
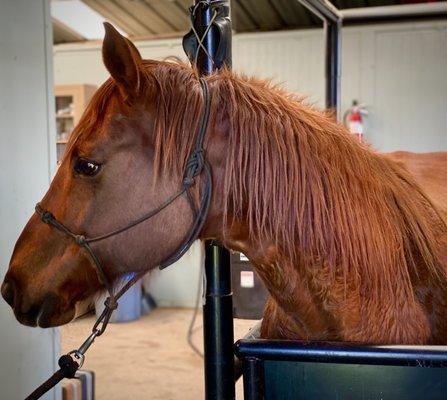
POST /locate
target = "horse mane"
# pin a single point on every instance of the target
(302, 180)
(297, 178)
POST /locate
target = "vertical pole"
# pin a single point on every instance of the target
(332, 19)
(218, 308)
(202, 19)
(218, 325)
(333, 65)
(253, 378)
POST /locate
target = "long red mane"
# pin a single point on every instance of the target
(298, 179)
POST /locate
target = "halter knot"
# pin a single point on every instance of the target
(194, 165)
(111, 303)
(80, 240)
(47, 217)
(187, 182)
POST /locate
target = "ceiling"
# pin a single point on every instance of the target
(64, 34)
(169, 18)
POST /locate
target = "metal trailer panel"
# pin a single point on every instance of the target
(275, 369)
(304, 380)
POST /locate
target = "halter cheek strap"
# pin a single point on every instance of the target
(195, 166)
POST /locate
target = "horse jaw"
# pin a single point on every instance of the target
(84, 306)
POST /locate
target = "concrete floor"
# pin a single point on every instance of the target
(146, 359)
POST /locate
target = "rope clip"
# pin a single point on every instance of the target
(77, 357)
(87, 343)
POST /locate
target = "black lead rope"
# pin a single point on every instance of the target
(195, 166)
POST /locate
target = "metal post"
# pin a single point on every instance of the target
(253, 378)
(218, 325)
(218, 308)
(333, 65)
(332, 19)
(202, 19)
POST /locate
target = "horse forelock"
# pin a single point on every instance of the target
(93, 115)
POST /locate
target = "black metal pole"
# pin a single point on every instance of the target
(332, 19)
(218, 307)
(333, 64)
(218, 325)
(253, 370)
(202, 18)
(340, 353)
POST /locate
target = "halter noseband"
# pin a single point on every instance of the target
(195, 165)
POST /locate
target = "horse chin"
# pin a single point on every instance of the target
(81, 308)
(84, 307)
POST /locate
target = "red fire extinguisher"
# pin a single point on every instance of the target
(354, 120)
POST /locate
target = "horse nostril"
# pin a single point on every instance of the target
(8, 292)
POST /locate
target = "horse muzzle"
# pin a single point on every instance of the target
(7, 291)
(44, 313)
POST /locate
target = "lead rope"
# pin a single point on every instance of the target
(196, 164)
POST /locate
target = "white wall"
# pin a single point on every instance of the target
(177, 285)
(409, 88)
(27, 152)
(397, 70)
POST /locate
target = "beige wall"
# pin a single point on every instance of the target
(27, 159)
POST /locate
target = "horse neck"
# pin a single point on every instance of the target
(294, 191)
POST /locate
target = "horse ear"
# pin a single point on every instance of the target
(122, 60)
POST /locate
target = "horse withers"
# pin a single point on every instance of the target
(349, 244)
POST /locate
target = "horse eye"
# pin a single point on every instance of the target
(86, 167)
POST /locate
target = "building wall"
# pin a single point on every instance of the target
(27, 156)
(397, 70)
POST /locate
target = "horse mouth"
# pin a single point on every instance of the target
(45, 316)
(45, 320)
(27, 319)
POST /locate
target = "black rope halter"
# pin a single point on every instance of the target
(195, 166)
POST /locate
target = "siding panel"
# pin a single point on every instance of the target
(411, 89)
(27, 161)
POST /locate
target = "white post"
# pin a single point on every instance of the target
(27, 160)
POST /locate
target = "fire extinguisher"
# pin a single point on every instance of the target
(354, 119)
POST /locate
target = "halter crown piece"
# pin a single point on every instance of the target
(195, 166)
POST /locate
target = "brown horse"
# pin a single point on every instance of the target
(347, 242)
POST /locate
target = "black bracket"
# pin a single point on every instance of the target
(208, 43)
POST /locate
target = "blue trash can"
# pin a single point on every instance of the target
(129, 305)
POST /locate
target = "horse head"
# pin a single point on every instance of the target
(109, 176)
